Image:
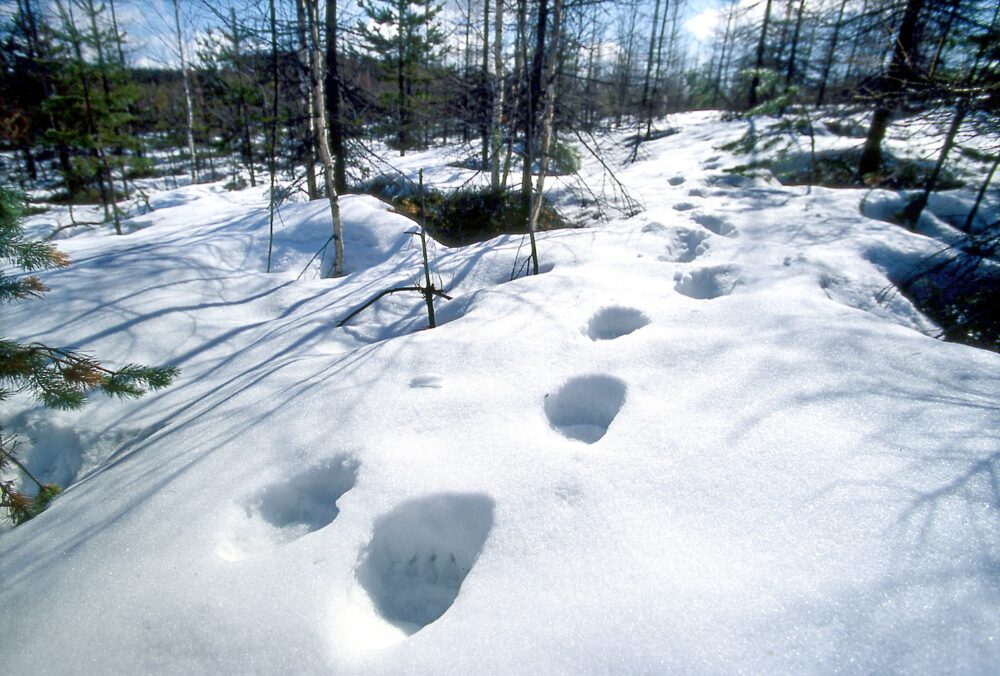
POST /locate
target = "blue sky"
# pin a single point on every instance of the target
(151, 40)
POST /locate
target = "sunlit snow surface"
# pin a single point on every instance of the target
(703, 441)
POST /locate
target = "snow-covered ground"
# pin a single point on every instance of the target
(704, 440)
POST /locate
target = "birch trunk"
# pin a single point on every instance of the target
(188, 108)
(334, 267)
(307, 99)
(497, 124)
(550, 105)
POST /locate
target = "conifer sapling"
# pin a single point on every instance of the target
(57, 377)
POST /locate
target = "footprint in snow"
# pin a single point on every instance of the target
(686, 246)
(706, 283)
(683, 206)
(614, 322)
(696, 192)
(715, 224)
(652, 228)
(413, 568)
(428, 380)
(287, 510)
(676, 180)
(585, 406)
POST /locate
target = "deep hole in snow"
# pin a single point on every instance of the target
(706, 283)
(615, 322)
(420, 553)
(585, 406)
(308, 501)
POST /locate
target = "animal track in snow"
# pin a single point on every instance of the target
(585, 406)
(676, 180)
(686, 246)
(419, 556)
(683, 206)
(654, 228)
(706, 283)
(711, 162)
(308, 501)
(716, 224)
(614, 322)
(287, 510)
(696, 192)
(428, 380)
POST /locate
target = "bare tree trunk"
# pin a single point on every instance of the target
(311, 10)
(133, 112)
(828, 64)
(550, 106)
(759, 63)
(534, 93)
(467, 71)
(188, 107)
(790, 74)
(912, 211)
(242, 110)
(484, 125)
(644, 108)
(106, 89)
(657, 76)
(429, 289)
(307, 98)
(717, 89)
(894, 83)
(498, 96)
(970, 219)
(273, 139)
(97, 151)
(333, 100)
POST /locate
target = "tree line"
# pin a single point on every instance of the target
(240, 100)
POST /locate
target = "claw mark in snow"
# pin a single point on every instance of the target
(413, 568)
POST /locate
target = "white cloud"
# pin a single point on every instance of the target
(702, 25)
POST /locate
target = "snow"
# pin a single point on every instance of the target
(704, 440)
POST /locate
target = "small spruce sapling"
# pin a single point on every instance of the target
(56, 377)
